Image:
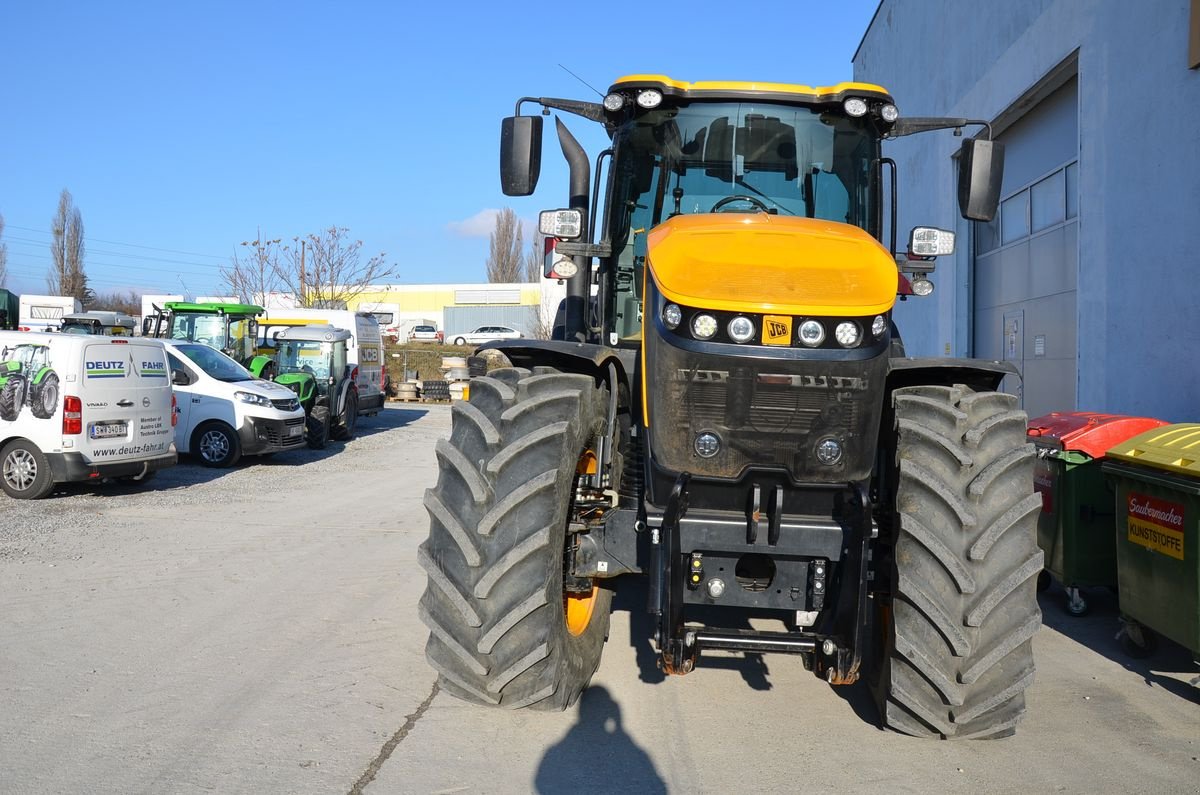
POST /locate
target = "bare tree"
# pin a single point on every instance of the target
(504, 263)
(129, 303)
(3, 254)
(535, 260)
(67, 276)
(326, 270)
(255, 274)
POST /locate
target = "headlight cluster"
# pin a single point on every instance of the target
(807, 332)
(252, 399)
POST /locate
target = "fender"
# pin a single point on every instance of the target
(259, 364)
(343, 395)
(982, 375)
(572, 357)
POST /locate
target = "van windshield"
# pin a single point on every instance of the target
(215, 363)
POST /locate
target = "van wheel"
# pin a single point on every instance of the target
(24, 471)
(44, 397)
(12, 397)
(217, 445)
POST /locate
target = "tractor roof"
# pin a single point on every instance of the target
(214, 308)
(314, 334)
(734, 89)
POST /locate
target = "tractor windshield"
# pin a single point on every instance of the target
(732, 157)
(229, 334)
(304, 356)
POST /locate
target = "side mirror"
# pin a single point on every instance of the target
(980, 170)
(520, 154)
(147, 323)
(180, 378)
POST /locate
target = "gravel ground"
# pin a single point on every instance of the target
(256, 630)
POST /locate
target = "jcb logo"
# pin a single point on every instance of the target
(370, 355)
(777, 330)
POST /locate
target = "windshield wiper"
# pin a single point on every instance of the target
(741, 181)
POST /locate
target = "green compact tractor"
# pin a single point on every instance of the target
(312, 362)
(27, 378)
(230, 328)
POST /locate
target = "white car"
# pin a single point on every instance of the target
(487, 334)
(225, 412)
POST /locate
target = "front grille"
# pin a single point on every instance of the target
(274, 433)
(766, 411)
(287, 404)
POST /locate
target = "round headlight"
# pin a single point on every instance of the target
(704, 326)
(741, 329)
(878, 326)
(672, 316)
(846, 334)
(855, 106)
(829, 451)
(811, 333)
(650, 98)
(889, 113)
(922, 286)
(707, 445)
(614, 102)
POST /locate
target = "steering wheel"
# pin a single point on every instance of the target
(739, 197)
(306, 369)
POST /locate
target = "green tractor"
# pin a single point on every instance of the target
(312, 362)
(27, 378)
(230, 328)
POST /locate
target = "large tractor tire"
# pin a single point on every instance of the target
(43, 397)
(956, 653)
(504, 629)
(12, 397)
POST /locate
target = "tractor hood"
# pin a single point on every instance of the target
(757, 262)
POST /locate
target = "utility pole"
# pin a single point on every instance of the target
(302, 301)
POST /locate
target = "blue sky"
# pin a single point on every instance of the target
(180, 129)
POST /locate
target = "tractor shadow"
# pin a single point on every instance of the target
(597, 754)
(1170, 666)
(632, 597)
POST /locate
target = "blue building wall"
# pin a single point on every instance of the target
(1139, 174)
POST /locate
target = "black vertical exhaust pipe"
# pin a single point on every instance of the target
(575, 318)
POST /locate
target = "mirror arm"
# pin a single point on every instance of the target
(593, 111)
(918, 124)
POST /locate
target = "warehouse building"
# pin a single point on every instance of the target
(1089, 278)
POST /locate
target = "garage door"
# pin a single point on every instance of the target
(1027, 258)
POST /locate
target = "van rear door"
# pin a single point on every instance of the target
(126, 401)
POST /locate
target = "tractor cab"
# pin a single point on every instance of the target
(98, 323)
(230, 328)
(312, 361)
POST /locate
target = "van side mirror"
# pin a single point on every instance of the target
(980, 171)
(520, 154)
(180, 378)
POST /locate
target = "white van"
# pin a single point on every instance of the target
(225, 412)
(76, 407)
(364, 351)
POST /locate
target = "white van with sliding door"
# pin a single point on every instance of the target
(76, 407)
(364, 350)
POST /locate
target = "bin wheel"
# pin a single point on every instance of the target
(1077, 606)
(1136, 640)
(1043, 581)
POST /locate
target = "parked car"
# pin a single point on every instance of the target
(76, 407)
(425, 334)
(225, 412)
(487, 334)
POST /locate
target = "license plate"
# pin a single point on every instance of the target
(107, 430)
(295, 430)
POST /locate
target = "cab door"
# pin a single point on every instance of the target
(185, 398)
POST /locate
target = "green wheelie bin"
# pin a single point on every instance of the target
(1156, 477)
(1075, 528)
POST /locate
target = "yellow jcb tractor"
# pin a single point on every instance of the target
(727, 410)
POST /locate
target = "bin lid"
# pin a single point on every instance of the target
(1088, 431)
(1174, 448)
